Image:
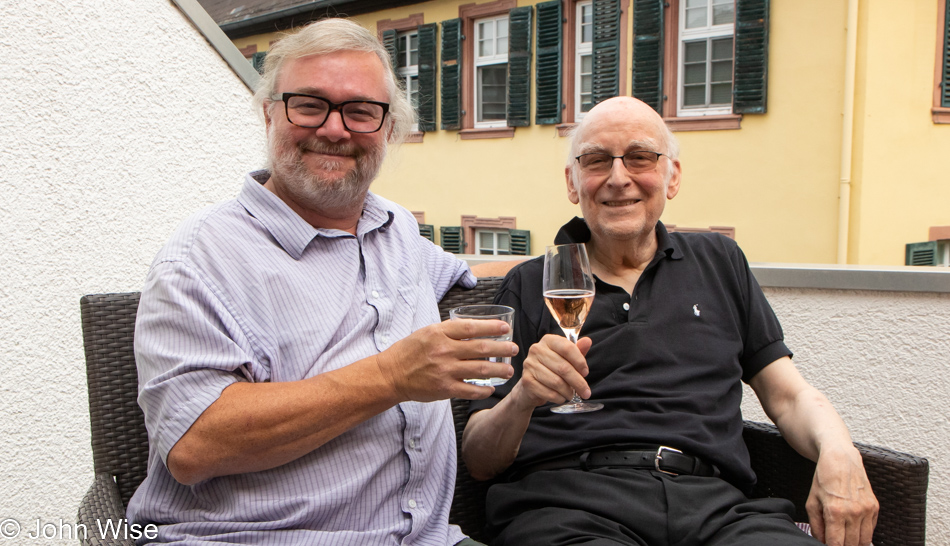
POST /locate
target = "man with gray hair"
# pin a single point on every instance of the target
(288, 341)
(677, 323)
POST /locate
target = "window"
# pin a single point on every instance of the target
(412, 47)
(491, 71)
(706, 58)
(702, 63)
(493, 242)
(407, 66)
(583, 59)
(486, 56)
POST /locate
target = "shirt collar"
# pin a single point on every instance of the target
(292, 232)
(576, 231)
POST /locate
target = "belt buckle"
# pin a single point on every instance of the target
(659, 457)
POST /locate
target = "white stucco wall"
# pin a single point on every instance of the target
(882, 358)
(118, 120)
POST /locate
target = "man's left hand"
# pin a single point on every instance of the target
(841, 506)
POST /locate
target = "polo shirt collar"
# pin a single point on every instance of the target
(576, 231)
(292, 232)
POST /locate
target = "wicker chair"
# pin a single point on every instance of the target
(120, 442)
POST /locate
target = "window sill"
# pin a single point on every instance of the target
(487, 132)
(414, 137)
(941, 114)
(704, 123)
(564, 129)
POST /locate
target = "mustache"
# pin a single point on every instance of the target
(319, 146)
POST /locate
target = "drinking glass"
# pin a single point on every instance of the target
(569, 292)
(488, 312)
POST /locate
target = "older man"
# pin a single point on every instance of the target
(286, 340)
(678, 322)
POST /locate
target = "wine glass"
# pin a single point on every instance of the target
(568, 289)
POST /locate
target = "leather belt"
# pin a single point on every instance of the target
(663, 459)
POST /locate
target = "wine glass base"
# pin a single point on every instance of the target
(579, 407)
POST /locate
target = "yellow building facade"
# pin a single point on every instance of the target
(775, 178)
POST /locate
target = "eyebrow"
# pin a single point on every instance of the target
(320, 93)
(632, 146)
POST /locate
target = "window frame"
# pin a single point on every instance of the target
(495, 233)
(468, 14)
(471, 223)
(580, 50)
(710, 121)
(491, 60)
(410, 71)
(708, 33)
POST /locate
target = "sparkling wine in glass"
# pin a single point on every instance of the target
(569, 293)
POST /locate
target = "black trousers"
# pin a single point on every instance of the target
(610, 507)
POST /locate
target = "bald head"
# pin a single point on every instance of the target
(634, 111)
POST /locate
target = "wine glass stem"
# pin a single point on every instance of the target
(572, 337)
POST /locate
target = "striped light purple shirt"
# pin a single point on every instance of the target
(248, 291)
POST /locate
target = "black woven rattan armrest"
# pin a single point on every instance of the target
(899, 481)
(100, 505)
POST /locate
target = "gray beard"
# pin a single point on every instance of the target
(314, 192)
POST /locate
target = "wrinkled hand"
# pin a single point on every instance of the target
(554, 369)
(841, 506)
(431, 363)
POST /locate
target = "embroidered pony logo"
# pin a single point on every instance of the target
(696, 309)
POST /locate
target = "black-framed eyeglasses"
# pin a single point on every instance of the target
(636, 162)
(311, 112)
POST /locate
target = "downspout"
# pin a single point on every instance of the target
(847, 133)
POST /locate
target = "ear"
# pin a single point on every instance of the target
(571, 189)
(267, 120)
(673, 186)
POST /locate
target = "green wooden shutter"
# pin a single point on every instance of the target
(451, 239)
(945, 83)
(451, 72)
(518, 113)
(520, 241)
(606, 50)
(427, 69)
(427, 231)
(389, 42)
(752, 57)
(921, 253)
(257, 61)
(648, 52)
(547, 109)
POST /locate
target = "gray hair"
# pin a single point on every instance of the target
(329, 36)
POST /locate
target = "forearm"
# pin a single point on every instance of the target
(258, 426)
(492, 438)
(810, 425)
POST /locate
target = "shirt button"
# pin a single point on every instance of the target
(375, 294)
(412, 443)
(626, 307)
(385, 338)
(412, 503)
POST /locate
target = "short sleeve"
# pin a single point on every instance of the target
(764, 341)
(188, 349)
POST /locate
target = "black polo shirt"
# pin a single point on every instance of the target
(667, 363)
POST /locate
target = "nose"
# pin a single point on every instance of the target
(333, 128)
(618, 175)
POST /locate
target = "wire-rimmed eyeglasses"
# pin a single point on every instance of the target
(639, 161)
(311, 112)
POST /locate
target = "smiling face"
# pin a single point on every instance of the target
(620, 206)
(326, 170)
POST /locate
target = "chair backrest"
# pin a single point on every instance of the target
(119, 438)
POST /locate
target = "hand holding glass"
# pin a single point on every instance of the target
(488, 312)
(568, 288)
